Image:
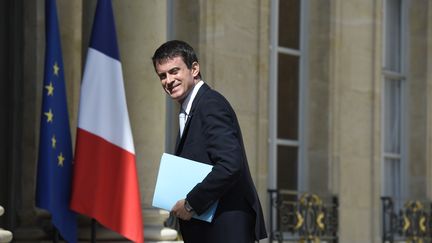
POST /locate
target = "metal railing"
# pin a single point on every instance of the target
(409, 221)
(303, 217)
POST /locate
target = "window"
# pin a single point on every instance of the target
(287, 94)
(394, 100)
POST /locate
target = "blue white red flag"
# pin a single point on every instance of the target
(105, 184)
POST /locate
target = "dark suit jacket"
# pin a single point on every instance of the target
(212, 135)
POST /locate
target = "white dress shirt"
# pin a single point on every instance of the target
(187, 105)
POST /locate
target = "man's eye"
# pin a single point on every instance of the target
(174, 71)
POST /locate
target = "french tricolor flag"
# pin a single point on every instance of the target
(105, 182)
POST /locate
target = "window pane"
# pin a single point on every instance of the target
(392, 116)
(393, 35)
(287, 167)
(392, 178)
(289, 23)
(288, 91)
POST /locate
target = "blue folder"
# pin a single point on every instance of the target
(176, 177)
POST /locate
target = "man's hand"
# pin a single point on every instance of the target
(180, 211)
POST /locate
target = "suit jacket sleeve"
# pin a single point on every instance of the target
(221, 138)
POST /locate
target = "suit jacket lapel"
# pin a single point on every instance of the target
(180, 140)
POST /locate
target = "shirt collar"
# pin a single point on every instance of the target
(187, 103)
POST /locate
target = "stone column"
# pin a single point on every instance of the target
(141, 28)
(354, 138)
(429, 105)
(233, 47)
(318, 97)
(417, 113)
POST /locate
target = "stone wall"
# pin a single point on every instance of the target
(354, 142)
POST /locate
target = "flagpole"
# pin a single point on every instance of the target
(93, 230)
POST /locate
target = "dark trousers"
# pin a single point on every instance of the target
(227, 227)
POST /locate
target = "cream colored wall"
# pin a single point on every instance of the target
(139, 34)
(429, 104)
(418, 99)
(70, 19)
(318, 96)
(233, 51)
(233, 46)
(141, 28)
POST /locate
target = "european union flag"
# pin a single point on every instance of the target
(54, 174)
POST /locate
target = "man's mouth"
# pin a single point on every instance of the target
(171, 89)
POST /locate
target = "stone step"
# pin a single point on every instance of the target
(152, 233)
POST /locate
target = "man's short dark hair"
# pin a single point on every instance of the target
(175, 48)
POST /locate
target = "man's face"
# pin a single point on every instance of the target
(176, 79)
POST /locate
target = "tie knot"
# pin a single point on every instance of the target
(182, 113)
(182, 116)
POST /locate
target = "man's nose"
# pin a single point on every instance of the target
(170, 79)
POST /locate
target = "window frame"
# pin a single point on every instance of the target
(402, 77)
(302, 53)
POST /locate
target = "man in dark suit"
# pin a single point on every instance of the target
(209, 133)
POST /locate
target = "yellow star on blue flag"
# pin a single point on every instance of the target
(54, 173)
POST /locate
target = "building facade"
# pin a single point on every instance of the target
(332, 97)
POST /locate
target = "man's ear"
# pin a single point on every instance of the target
(195, 69)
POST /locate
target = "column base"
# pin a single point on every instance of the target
(5, 236)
